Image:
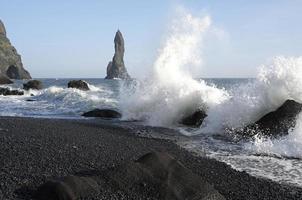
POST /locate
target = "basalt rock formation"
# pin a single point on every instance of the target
(10, 61)
(4, 80)
(116, 68)
(276, 123)
(8, 92)
(156, 174)
(103, 113)
(33, 84)
(195, 119)
(79, 84)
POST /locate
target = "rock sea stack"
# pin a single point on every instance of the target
(116, 68)
(10, 61)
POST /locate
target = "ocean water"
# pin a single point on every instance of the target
(170, 92)
(279, 160)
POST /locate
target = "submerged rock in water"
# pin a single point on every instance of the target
(79, 84)
(69, 188)
(103, 113)
(278, 122)
(7, 92)
(116, 68)
(33, 84)
(5, 80)
(10, 61)
(195, 119)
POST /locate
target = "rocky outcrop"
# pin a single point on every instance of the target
(195, 119)
(116, 68)
(5, 80)
(10, 61)
(103, 113)
(33, 84)
(7, 92)
(78, 84)
(69, 188)
(276, 123)
(156, 172)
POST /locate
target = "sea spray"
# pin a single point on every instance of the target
(275, 83)
(286, 146)
(171, 93)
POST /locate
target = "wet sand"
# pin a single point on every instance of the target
(33, 151)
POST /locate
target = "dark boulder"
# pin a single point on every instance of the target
(103, 113)
(69, 188)
(276, 123)
(7, 92)
(195, 119)
(169, 178)
(116, 68)
(5, 80)
(33, 84)
(78, 84)
(156, 175)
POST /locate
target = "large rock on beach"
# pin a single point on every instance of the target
(276, 123)
(5, 80)
(33, 84)
(69, 188)
(156, 172)
(78, 84)
(103, 113)
(170, 179)
(10, 61)
(195, 119)
(7, 92)
(116, 68)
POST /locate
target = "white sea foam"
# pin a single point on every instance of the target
(171, 92)
(58, 101)
(288, 146)
(276, 82)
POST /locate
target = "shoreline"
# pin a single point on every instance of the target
(34, 150)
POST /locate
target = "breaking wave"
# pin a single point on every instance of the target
(171, 92)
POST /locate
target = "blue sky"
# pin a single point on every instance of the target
(74, 38)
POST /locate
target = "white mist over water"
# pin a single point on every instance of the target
(171, 92)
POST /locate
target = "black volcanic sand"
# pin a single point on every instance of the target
(33, 151)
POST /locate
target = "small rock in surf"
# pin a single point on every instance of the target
(33, 84)
(103, 113)
(78, 84)
(276, 123)
(195, 119)
(7, 92)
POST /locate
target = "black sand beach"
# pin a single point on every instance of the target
(33, 151)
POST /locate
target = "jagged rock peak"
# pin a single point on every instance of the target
(116, 68)
(10, 61)
(2, 28)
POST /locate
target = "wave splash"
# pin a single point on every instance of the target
(275, 83)
(171, 92)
